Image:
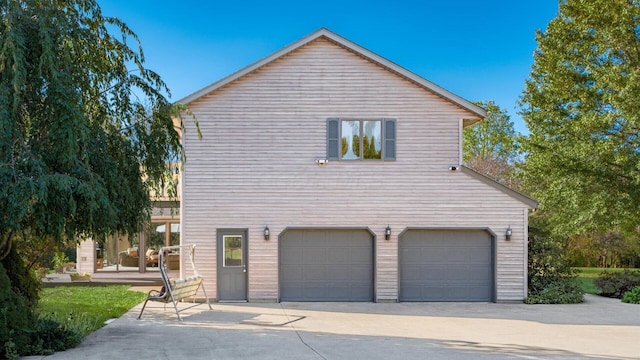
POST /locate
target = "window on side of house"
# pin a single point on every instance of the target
(361, 139)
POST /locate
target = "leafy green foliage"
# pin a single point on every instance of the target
(22, 332)
(633, 296)
(25, 334)
(492, 146)
(16, 319)
(86, 131)
(60, 259)
(551, 279)
(22, 281)
(36, 250)
(588, 275)
(50, 335)
(616, 284)
(610, 249)
(581, 107)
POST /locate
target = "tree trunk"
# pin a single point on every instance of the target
(5, 245)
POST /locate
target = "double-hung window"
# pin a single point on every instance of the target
(361, 139)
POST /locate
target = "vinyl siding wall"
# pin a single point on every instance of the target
(255, 166)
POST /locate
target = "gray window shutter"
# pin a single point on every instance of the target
(389, 136)
(333, 139)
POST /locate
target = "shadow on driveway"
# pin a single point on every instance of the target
(599, 328)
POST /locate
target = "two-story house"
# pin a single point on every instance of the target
(329, 173)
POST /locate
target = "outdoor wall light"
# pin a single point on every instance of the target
(508, 233)
(266, 233)
(387, 233)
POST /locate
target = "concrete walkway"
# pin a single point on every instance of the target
(599, 328)
(56, 279)
(151, 278)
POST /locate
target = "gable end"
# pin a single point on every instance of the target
(476, 113)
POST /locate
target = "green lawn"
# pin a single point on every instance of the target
(91, 305)
(587, 275)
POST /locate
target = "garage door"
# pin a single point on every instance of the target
(326, 265)
(446, 265)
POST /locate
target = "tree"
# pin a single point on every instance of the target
(491, 146)
(581, 106)
(550, 277)
(610, 249)
(83, 138)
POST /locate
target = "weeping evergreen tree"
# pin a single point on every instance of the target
(86, 131)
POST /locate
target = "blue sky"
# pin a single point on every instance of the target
(477, 49)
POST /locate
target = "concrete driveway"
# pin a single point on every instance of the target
(598, 328)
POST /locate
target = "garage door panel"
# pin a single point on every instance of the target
(360, 293)
(313, 240)
(360, 256)
(336, 265)
(453, 275)
(436, 293)
(330, 292)
(291, 273)
(446, 265)
(412, 273)
(336, 292)
(314, 291)
(466, 273)
(422, 273)
(456, 256)
(292, 253)
(412, 292)
(337, 272)
(458, 293)
(336, 255)
(313, 255)
(294, 290)
(478, 273)
(439, 255)
(361, 272)
(412, 256)
(314, 272)
(480, 294)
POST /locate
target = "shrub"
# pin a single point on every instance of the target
(633, 296)
(16, 319)
(60, 259)
(50, 335)
(616, 284)
(561, 292)
(21, 331)
(551, 278)
(23, 281)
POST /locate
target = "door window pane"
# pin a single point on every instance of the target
(232, 245)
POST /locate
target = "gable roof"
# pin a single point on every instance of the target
(532, 203)
(340, 41)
